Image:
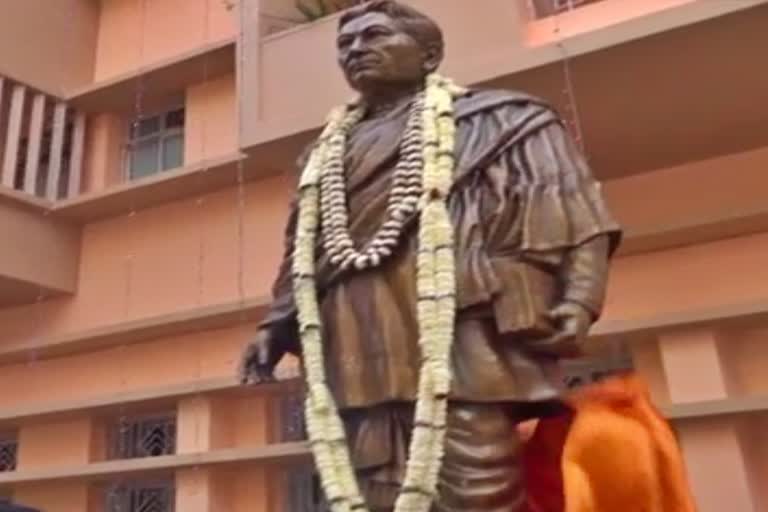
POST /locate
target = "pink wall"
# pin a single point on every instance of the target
(166, 259)
(104, 151)
(56, 496)
(38, 249)
(695, 192)
(192, 246)
(58, 443)
(211, 120)
(135, 33)
(151, 365)
(210, 131)
(49, 45)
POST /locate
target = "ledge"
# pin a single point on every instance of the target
(25, 201)
(164, 77)
(172, 324)
(705, 230)
(212, 317)
(284, 453)
(152, 396)
(226, 314)
(727, 406)
(199, 178)
(745, 314)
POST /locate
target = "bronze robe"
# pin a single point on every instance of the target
(531, 229)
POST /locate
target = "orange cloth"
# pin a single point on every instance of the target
(615, 453)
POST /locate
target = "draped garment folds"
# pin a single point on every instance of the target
(529, 224)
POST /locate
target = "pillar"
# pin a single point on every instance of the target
(696, 371)
(716, 464)
(693, 365)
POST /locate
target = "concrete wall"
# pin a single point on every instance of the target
(49, 45)
(136, 33)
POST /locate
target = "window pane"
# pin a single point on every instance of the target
(144, 159)
(146, 126)
(175, 119)
(173, 151)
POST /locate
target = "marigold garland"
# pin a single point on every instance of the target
(422, 180)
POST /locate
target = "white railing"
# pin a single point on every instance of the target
(41, 142)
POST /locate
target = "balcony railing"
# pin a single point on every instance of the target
(41, 142)
(546, 8)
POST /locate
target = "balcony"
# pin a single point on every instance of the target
(40, 253)
(41, 153)
(663, 59)
(41, 142)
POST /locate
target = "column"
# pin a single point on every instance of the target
(716, 464)
(64, 443)
(696, 371)
(693, 365)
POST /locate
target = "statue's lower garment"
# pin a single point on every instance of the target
(482, 468)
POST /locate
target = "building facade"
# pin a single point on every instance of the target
(146, 165)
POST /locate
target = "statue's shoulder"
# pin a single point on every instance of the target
(478, 101)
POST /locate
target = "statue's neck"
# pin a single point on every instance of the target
(387, 99)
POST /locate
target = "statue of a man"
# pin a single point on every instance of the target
(531, 238)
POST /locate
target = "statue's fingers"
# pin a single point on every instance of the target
(552, 341)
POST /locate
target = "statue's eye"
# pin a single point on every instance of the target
(374, 32)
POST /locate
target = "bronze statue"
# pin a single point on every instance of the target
(529, 250)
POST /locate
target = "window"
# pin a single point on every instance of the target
(141, 497)
(148, 436)
(156, 143)
(8, 451)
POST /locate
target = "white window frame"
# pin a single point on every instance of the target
(133, 140)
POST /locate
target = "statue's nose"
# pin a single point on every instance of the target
(358, 46)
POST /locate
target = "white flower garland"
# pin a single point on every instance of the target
(431, 128)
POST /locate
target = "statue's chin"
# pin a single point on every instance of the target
(371, 83)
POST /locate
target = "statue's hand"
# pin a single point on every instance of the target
(259, 359)
(571, 321)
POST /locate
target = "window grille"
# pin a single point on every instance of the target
(291, 413)
(141, 497)
(302, 487)
(8, 453)
(150, 436)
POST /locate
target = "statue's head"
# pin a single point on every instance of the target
(383, 43)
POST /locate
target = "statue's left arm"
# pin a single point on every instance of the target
(565, 199)
(547, 230)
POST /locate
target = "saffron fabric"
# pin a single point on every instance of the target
(614, 451)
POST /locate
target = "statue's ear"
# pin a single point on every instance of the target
(433, 56)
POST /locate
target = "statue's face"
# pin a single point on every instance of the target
(374, 51)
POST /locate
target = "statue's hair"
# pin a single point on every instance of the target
(413, 22)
